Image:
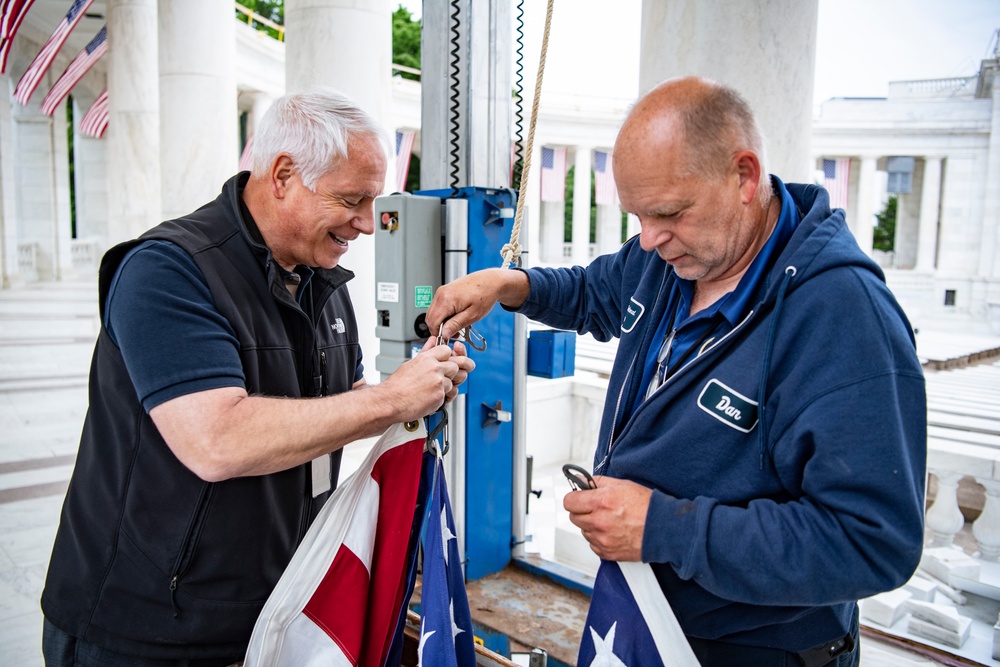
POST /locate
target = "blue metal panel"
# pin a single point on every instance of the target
(489, 449)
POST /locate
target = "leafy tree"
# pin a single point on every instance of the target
(406, 41)
(884, 237)
(272, 10)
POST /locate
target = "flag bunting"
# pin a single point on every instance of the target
(40, 65)
(95, 122)
(12, 13)
(84, 60)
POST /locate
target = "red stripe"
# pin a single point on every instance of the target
(356, 606)
(338, 603)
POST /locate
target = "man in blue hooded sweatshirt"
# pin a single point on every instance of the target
(764, 435)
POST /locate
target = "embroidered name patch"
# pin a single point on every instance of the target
(728, 406)
(633, 311)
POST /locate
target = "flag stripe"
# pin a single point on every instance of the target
(12, 13)
(404, 148)
(246, 158)
(84, 60)
(40, 65)
(837, 180)
(605, 190)
(553, 174)
(95, 121)
(347, 579)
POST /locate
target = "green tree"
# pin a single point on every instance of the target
(405, 41)
(271, 10)
(884, 237)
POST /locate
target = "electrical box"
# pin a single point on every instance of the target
(551, 354)
(408, 269)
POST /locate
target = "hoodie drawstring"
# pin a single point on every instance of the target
(761, 410)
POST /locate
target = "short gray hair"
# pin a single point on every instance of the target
(714, 125)
(314, 128)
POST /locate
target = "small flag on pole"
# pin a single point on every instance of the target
(95, 122)
(605, 190)
(80, 66)
(553, 174)
(12, 13)
(246, 157)
(837, 180)
(404, 147)
(40, 65)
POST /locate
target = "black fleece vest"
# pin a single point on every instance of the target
(149, 559)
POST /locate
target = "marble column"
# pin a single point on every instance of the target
(199, 123)
(9, 270)
(532, 192)
(347, 45)
(62, 221)
(765, 49)
(609, 229)
(989, 264)
(930, 201)
(133, 136)
(581, 206)
(866, 206)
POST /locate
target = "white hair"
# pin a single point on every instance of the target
(314, 128)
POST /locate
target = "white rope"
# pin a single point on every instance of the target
(511, 252)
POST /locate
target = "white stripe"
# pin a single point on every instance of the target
(306, 645)
(667, 634)
(360, 537)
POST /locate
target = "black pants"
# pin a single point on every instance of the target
(719, 654)
(63, 650)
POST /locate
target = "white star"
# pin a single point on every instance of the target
(445, 535)
(423, 640)
(604, 655)
(455, 630)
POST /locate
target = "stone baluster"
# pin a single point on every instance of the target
(943, 518)
(987, 527)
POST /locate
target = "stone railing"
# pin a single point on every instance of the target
(86, 253)
(949, 462)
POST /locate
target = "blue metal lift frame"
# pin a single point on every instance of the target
(489, 448)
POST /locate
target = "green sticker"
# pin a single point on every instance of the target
(422, 295)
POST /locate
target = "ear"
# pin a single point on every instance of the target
(282, 171)
(749, 170)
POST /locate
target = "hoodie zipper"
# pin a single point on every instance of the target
(680, 370)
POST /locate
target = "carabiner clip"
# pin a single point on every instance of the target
(442, 430)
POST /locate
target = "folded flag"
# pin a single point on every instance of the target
(630, 623)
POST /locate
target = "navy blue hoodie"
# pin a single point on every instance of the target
(787, 461)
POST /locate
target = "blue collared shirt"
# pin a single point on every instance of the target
(710, 323)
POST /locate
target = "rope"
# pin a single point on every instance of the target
(511, 252)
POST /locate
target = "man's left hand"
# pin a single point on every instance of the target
(612, 517)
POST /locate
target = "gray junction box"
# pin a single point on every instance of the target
(408, 248)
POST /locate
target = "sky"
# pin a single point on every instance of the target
(861, 45)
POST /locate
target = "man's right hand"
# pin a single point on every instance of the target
(421, 385)
(469, 299)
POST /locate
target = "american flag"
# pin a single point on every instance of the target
(837, 180)
(631, 623)
(342, 599)
(446, 623)
(246, 157)
(12, 13)
(553, 174)
(95, 122)
(404, 146)
(40, 65)
(80, 65)
(605, 190)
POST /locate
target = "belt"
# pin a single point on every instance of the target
(716, 653)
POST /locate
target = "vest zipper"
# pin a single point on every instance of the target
(187, 546)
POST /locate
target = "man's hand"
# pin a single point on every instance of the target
(612, 517)
(470, 298)
(423, 384)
